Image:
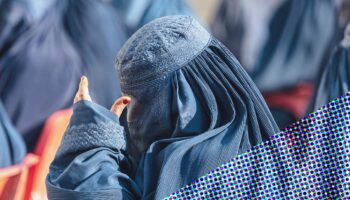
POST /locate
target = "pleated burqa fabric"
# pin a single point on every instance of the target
(13, 148)
(193, 108)
(40, 72)
(335, 80)
(299, 35)
(308, 160)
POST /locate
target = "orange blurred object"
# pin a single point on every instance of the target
(46, 148)
(13, 179)
(294, 101)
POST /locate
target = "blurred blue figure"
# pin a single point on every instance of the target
(38, 75)
(299, 35)
(39, 71)
(137, 13)
(16, 17)
(38, 8)
(97, 32)
(13, 148)
(335, 79)
(283, 44)
(14, 21)
(242, 25)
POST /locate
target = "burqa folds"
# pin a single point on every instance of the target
(193, 108)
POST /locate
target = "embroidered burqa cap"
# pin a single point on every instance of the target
(193, 106)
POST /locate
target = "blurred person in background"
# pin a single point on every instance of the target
(285, 61)
(39, 70)
(12, 145)
(137, 13)
(191, 107)
(242, 25)
(343, 16)
(335, 80)
(97, 32)
(14, 21)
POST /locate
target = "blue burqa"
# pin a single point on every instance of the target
(13, 148)
(40, 71)
(137, 13)
(193, 108)
(299, 35)
(335, 80)
(14, 21)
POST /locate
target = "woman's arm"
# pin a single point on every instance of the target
(91, 161)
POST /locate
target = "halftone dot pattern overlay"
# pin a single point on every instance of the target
(309, 159)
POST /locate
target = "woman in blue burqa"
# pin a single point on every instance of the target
(190, 108)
